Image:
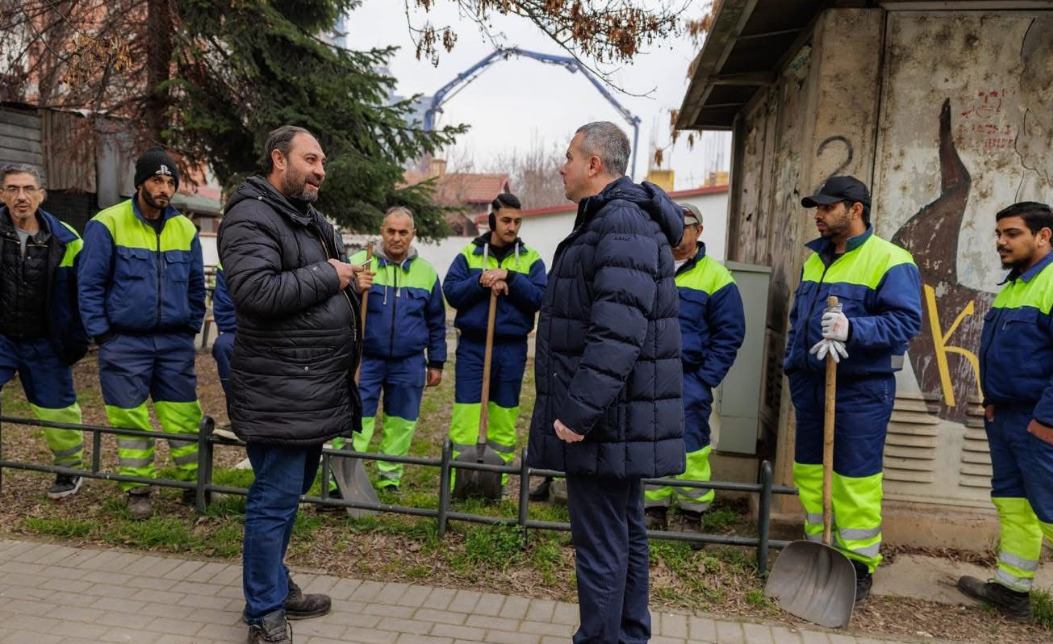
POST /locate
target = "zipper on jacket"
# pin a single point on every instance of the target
(354, 327)
(159, 268)
(394, 307)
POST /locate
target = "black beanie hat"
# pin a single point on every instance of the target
(155, 162)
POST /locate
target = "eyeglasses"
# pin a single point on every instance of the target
(14, 191)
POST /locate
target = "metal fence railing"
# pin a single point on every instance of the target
(204, 486)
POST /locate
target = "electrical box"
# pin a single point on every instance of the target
(736, 402)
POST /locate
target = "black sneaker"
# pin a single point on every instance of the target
(541, 491)
(1014, 604)
(274, 629)
(656, 518)
(301, 606)
(864, 580)
(65, 485)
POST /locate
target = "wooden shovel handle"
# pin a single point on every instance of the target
(365, 309)
(828, 435)
(484, 401)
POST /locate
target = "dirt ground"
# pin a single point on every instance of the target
(715, 581)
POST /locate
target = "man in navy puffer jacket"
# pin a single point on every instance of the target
(608, 409)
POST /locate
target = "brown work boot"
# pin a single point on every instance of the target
(274, 629)
(1014, 604)
(301, 606)
(656, 518)
(139, 505)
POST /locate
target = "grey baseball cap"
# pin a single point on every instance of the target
(692, 215)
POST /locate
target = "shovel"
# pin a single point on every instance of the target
(477, 483)
(815, 581)
(350, 473)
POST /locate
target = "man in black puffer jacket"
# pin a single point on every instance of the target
(608, 409)
(292, 374)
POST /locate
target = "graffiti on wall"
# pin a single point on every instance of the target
(943, 355)
(1010, 122)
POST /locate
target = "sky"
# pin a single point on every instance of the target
(518, 102)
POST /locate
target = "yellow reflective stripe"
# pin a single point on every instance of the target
(1012, 582)
(708, 276)
(72, 248)
(527, 257)
(129, 231)
(865, 266)
(421, 274)
(1038, 293)
(1029, 565)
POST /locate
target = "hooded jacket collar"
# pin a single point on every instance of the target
(647, 196)
(259, 189)
(382, 256)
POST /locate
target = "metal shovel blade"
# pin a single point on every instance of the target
(354, 484)
(477, 483)
(814, 582)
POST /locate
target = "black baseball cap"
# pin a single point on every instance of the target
(837, 189)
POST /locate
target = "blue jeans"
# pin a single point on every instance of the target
(283, 474)
(610, 540)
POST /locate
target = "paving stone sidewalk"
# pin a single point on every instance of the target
(52, 594)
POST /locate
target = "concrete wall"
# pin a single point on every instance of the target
(946, 115)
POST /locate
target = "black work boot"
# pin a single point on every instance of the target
(1014, 604)
(864, 580)
(301, 606)
(540, 493)
(274, 629)
(656, 518)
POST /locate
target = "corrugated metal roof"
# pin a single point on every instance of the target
(750, 39)
(20, 138)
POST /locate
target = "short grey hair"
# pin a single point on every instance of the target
(22, 168)
(606, 140)
(402, 210)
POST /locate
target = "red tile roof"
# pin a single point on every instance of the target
(571, 207)
(462, 188)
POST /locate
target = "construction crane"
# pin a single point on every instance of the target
(446, 92)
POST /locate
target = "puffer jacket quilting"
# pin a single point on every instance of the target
(297, 342)
(608, 348)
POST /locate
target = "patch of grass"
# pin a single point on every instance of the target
(755, 597)
(62, 528)
(719, 518)
(1042, 605)
(493, 547)
(231, 477)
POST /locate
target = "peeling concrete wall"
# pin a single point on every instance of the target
(817, 121)
(966, 130)
(947, 116)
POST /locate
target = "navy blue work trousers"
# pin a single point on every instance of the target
(610, 540)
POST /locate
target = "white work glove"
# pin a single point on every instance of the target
(835, 324)
(835, 348)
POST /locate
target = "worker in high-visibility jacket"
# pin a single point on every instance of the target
(41, 334)
(500, 262)
(1016, 375)
(405, 320)
(878, 287)
(712, 327)
(142, 297)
